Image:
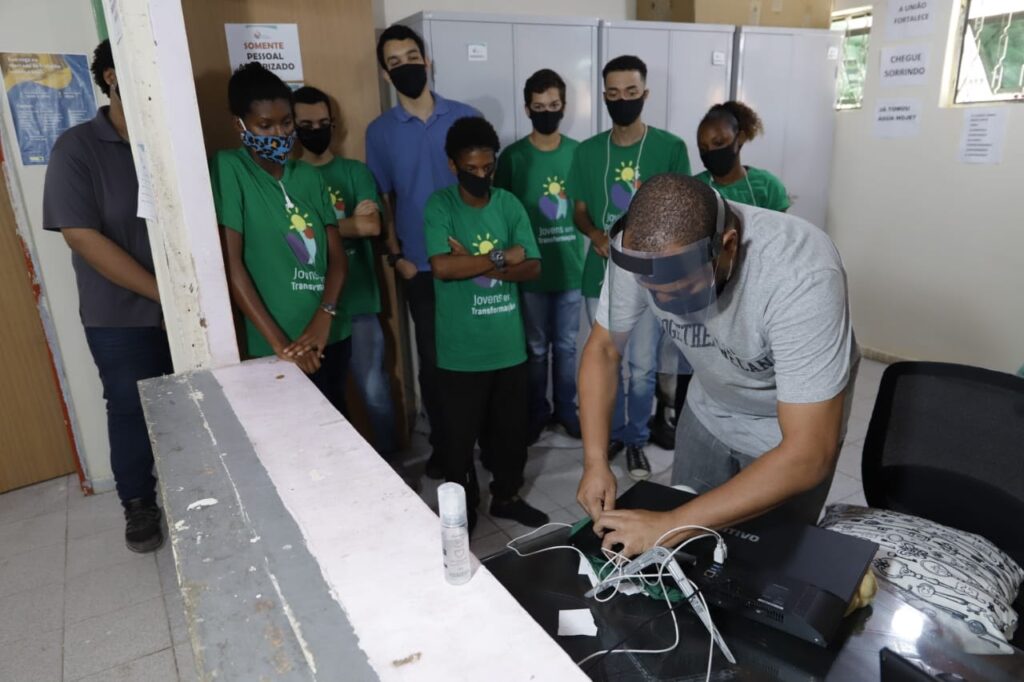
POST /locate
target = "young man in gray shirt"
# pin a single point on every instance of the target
(90, 196)
(757, 302)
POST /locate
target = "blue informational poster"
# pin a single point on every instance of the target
(47, 93)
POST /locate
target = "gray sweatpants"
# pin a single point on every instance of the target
(703, 462)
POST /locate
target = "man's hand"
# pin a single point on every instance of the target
(313, 339)
(366, 207)
(601, 242)
(457, 248)
(514, 255)
(406, 268)
(635, 529)
(596, 493)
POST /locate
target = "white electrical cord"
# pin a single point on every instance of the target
(618, 561)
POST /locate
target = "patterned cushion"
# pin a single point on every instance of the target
(963, 578)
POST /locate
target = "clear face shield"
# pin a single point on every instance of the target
(681, 282)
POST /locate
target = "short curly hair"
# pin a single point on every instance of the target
(470, 132)
(102, 59)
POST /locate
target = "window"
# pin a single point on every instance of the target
(991, 52)
(855, 25)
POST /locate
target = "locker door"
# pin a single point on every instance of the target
(650, 45)
(696, 82)
(570, 51)
(764, 80)
(810, 128)
(473, 64)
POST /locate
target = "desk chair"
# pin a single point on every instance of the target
(946, 443)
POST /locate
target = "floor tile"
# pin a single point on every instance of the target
(487, 545)
(33, 533)
(842, 486)
(100, 550)
(157, 667)
(34, 500)
(174, 604)
(94, 514)
(111, 589)
(32, 569)
(186, 663)
(855, 499)
(32, 659)
(32, 613)
(115, 638)
(850, 458)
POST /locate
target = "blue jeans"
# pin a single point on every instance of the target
(125, 356)
(635, 405)
(552, 320)
(367, 368)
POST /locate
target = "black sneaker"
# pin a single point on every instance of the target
(142, 529)
(517, 509)
(636, 463)
(614, 448)
(435, 469)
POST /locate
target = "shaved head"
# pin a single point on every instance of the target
(669, 211)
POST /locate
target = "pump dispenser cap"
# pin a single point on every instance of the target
(451, 502)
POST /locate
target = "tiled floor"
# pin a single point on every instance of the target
(75, 604)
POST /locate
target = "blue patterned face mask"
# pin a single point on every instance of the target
(274, 148)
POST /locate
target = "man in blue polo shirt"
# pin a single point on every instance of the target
(405, 151)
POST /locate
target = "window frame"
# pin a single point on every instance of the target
(849, 15)
(958, 64)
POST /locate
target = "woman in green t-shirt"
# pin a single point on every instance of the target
(285, 260)
(720, 136)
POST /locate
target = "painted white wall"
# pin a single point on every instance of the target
(387, 12)
(932, 246)
(58, 26)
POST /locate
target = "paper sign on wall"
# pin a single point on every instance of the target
(910, 19)
(275, 46)
(476, 52)
(146, 204)
(897, 117)
(47, 94)
(904, 65)
(983, 136)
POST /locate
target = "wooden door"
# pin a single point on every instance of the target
(35, 437)
(338, 47)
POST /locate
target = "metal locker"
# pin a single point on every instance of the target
(689, 68)
(484, 60)
(788, 77)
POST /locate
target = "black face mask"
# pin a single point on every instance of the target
(546, 122)
(719, 162)
(409, 79)
(624, 111)
(474, 184)
(316, 140)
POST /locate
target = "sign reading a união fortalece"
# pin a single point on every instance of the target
(275, 46)
(904, 65)
(897, 117)
(910, 19)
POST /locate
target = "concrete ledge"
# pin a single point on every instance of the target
(317, 561)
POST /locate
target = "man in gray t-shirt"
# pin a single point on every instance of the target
(757, 302)
(90, 197)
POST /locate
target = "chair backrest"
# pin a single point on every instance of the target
(946, 442)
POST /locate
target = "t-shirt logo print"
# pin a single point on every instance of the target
(338, 202)
(553, 204)
(300, 237)
(625, 185)
(484, 245)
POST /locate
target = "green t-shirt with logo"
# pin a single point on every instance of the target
(760, 188)
(350, 182)
(283, 225)
(606, 176)
(537, 178)
(479, 324)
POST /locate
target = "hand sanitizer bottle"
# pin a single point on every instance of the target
(451, 502)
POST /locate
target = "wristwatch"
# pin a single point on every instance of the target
(497, 257)
(329, 308)
(393, 258)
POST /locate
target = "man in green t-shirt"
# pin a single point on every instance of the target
(480, 245)
(353, 192)
(534, 169)
(285, 261)
(607, 170)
